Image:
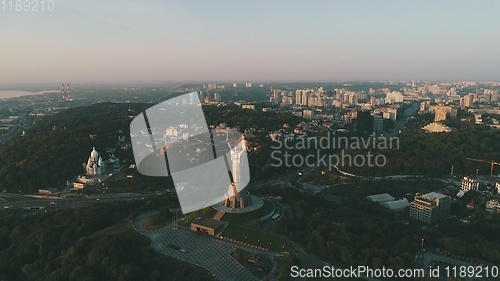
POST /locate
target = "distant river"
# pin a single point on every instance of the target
(15, 94)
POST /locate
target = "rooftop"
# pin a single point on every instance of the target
(397, 205)
(208, 222)
(384, 197)
(468, 179)
(436, 128)
(436, 195)
(430, 197)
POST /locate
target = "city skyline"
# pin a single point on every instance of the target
(136, 42)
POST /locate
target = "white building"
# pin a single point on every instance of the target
(469, 184)
(435, 127)
(95, 165)
(248, 106)
(394, 97)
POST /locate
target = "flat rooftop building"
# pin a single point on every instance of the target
(469, 184)
(208, 225)
(396, 205)
(381, 198)
(493, 206)
(430, 208)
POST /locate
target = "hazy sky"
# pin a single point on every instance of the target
(99, 41)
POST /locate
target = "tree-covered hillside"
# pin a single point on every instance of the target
(93, 243)
(422, 153)
(53, 150)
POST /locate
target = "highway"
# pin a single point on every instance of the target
(26, 201)
(20, 201)
(404, 120)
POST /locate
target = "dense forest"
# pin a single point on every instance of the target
(422, 153)
(96, 243)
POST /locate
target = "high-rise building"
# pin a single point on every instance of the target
(298, 97)
(285, 100)
(353, 99)
(430, 208)
(321, 102)
(487, 97)
(467, 101)
(423, 90)
(424, 106)
(310, 101)
(390, 113)
(440, 113)
(373, 101)
(305, 98)
(248, 85)
(452, 92)
(494, 96)
(469, 184)
(362, 95)
(276, 97)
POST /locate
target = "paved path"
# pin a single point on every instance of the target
(201, 250)
(402, 121)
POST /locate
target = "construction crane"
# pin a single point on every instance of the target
(492, 163)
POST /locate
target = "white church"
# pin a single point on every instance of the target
(95, 166)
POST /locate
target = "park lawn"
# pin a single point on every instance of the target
(209, 212)
(255, 237)
(157, 221)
